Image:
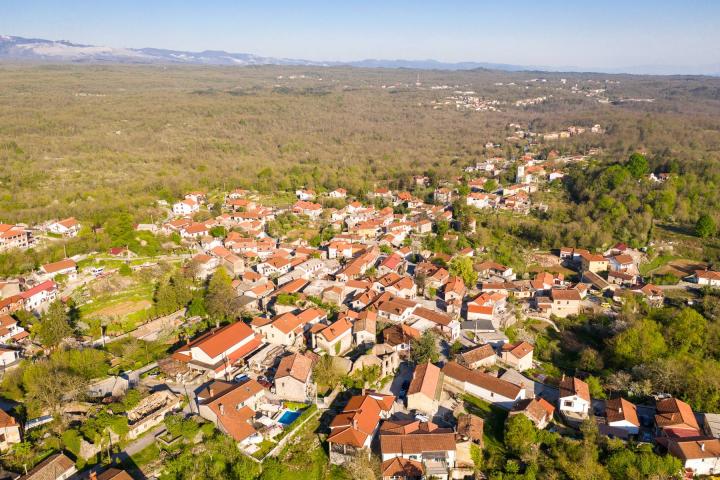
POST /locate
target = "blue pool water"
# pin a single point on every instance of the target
(288, 417)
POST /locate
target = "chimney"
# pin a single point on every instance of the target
(354, 423)
(702, 446)
(93, 476)
(619, 409)
(221, 407)
(212, 391)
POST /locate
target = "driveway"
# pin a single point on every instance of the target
(403, 375)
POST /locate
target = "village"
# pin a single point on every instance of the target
(367, 327)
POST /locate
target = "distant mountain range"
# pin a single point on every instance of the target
(41, 50)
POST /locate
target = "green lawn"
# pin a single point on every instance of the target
(656, 263)
(146, 455)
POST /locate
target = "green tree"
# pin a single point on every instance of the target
(705, 226)
(641, 343)
(596, 390)
(490, 185)
(326, 373)
(463, 267)
(54, 325)
(626, 464)
(637, 165)
(424, 349)
(520, 435)
(221, 298)
(687, 330)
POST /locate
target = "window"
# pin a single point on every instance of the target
(567, 403)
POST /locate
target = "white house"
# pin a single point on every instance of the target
(699, 455)
(187, 206)
(518, 355)
(574, 401)
(68, 227)
(621, 418)
(217, 351)
(38, 297)
(707, 277)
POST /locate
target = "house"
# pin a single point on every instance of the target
(336, 338)
(10, 330)
(454, 290)
(68, 227)
(592, 262)
(14, 236)
(55, 467)
(274, 266)
(493, 390)
(707, 277)
(518, 355)
(285, 329)
(493, 269)
(654, 295)
(400, 336)
(621, 419)
(9, 356)
(305, 194)
(574, 400)
(699, 455)
(425, 388)
(64, 267)
(293, 378)
(111, 474)
(537, 409)
(310, 209)
(482, 356)
(423, 319)
(674, 417)
(480, 200)
(233, 411)
(353, 429)
(396, 309)
(187, 206)
(399, 468)
(622, 263)
(443, 195)
(338, 193)
(151, 411)
(565, 302)
(365, 328)
(469, 436)
(620, 278)
(220, 350)
(423, 442)
(39, 296)
(9, 431)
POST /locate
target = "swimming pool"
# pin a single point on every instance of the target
(289, 416)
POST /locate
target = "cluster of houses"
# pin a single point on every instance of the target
(362, 298)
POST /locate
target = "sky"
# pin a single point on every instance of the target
(600, 34)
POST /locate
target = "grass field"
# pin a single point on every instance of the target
(124, 310)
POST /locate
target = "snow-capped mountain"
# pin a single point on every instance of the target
(41, 50)
(19, 48)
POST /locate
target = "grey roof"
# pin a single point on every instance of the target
(712, 424)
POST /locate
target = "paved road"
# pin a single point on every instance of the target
(141, 443)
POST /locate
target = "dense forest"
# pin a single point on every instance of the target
(120, 137)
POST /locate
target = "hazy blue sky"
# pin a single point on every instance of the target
(608, 33)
